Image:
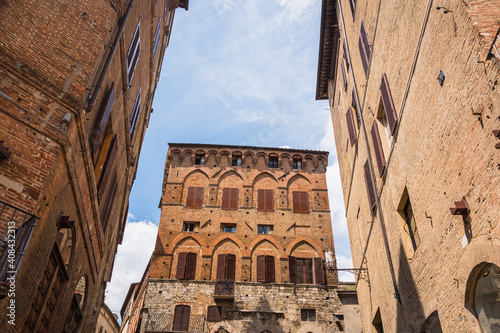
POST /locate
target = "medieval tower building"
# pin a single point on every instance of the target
(244, 243)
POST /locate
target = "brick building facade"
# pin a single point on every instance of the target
(244, 243)
(77, 84)
(415, 103)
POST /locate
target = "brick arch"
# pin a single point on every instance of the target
(171, 247)
(220, 239)
(263, 238)
(299, 240)
(194, 172)
(263, 175)
(297, 177)
(228, 174)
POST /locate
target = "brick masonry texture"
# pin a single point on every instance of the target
(442, 150)
(52, 55)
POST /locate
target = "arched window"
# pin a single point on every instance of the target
(487, 298)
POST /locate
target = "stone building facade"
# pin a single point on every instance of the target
(244, 243)
(107, 321)
(76, 88)
(414, 94)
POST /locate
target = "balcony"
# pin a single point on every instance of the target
(224, 289)
(16, 227)
(167, 323)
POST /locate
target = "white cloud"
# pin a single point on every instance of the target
(285, 146)
(130, 261)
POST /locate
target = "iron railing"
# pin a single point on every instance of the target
(224, 289)
(175, 323)
(17, 226)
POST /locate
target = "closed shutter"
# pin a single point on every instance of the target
(221, 267)
(269, 200)
(370, 187)
(190, 197)
(214, 313)
(107, 168)
(199, 197)
(377, 147)
(351, 127)
(261, 268)
(226, 192)
(234, 199)
(292, 269)
(102, 122)
(261, 197)
(191, 266)
(181, 266)
(390, 111)
(270, 276)
(181, 318)
(296, 202)
(231, 267)
(304, 200)
(319, 274)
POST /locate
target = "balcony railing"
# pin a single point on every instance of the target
(166, 323)
(224, 289)
(16, 226)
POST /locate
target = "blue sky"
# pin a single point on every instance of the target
(236, 72)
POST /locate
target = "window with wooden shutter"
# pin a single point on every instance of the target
(390, 111)
(261, 268)
(181, 318)
(190, 266)
(107, 169)
(226, 267)
(221, 266)
(156, 40)
(319, 273)
(133, 53)
(270, 269)
(344, 77)
(304, 270)
(186, 266)
(370, 186)
(230, 198)
(99, 128)
(351, 127)
(214, 313)
(136, 111)
(181, 266)
(265, 200)
(300, 202)
(195, 197)
(377, 148)
(292, 269)
(364, 48)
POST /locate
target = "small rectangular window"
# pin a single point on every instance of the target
(273, 162)
(236, 160)
(307, 314)
(297, 164)
(226, 227)
(156, 41)
(191, 226)
(133, 53)
(199, 159)
(136, 111)
(265, 229)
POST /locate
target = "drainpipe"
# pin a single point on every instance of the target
(93, 97)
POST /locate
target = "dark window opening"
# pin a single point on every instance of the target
(191, 226)
(225, 227)
(264, 229)
(377, 322)
(297, 164)
(308, 314)
(199, 159)
(273, 161)
(236, 160)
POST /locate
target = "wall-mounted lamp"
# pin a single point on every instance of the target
(441, 77)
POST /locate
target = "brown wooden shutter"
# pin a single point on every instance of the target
(319, 273)
(181, 318)
(292, 269)
(304, 200)
(191, 266)
(261, 268)
(231, 267)
(270, 276)
(181, 266)
(390, 111)
(261, 200)
(351, 128)
(107, 169)
(364, 48)
(370, 186)
(234, 199)
(102, 122)
(221, 267)
(198, 203)
(377, 147)
(214, 313)
(226, 193)
(296, 201)
(269, 200)
(190, 197)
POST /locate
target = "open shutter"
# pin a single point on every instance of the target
(370, 187)
(199, 197)
(270, 269)
(269, 200)
(296, 202)
(304, 201)
(377, 147)
(261, 199)
(231, 267)
(351, 128)
(319, 273)
(226, 193)
(107, 168)
(100, 126)
(221, 267)
(261, 268)
(390, 111)
(190, 197)
(191, 266)
(181, 266)
(234, 199)
(292, 269)
(214, 313)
